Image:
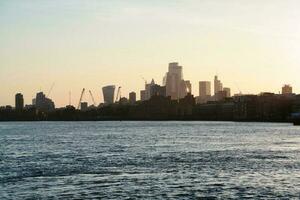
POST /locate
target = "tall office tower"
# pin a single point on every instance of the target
(173, 80)
(218, 86)
(287, 89)
(148, 89)
(143, 95)
(227, 91)
(19, 101)
(204, 88)
(132, 97)
(43, 103)
(109, 94)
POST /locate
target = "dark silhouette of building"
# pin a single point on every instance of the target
(143, 95)
(109, 94)
(19, 101)
(42, 103)
(83, 106)
(132, 97)
(157, 90)
(123, 101)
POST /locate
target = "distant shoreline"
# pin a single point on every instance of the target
(149, 120)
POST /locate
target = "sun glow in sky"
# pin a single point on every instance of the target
(252, 45)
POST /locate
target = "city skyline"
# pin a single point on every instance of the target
(215, 87)
(89, 45)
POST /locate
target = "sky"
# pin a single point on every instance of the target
(253, 46)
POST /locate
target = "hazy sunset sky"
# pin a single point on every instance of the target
(253, 45)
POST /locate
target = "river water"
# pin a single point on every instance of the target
(149, 160)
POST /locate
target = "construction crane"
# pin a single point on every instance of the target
(50, 90)
(81, 96)
(91, 94)
(144, 80)
(118, 94)
(70, 96)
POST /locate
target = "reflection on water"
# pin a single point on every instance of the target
(180, 160)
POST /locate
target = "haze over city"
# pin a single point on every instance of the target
(89, 44)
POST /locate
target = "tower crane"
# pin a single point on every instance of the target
(118, 94)
(50, 90)
(70, 96)
(144, 80)
(91, 94)
(81, 96)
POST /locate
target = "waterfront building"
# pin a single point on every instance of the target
(108, 94)
(19, 101)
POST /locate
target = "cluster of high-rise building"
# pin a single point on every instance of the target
(40, 102)
(177, 88)
(205, 93)
(173, 86)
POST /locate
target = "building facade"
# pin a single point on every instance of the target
(173, 80)
(132, 97)
(108, 94)
(42, 103)
(218, 86)
(227, 92)
(143, 95)
(158, 90)
(204, 88)
(19, 101)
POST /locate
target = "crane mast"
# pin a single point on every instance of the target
(81, 96)
(91, 94)
(118, 94)
(50, 90)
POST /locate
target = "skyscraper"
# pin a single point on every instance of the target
(173, 80)
(132, 97)
(204, 88)
(218, 86)
(43, 103)
(19, 101)
(143, 95)
(148, 89)
(204, 92)
(109, 94)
